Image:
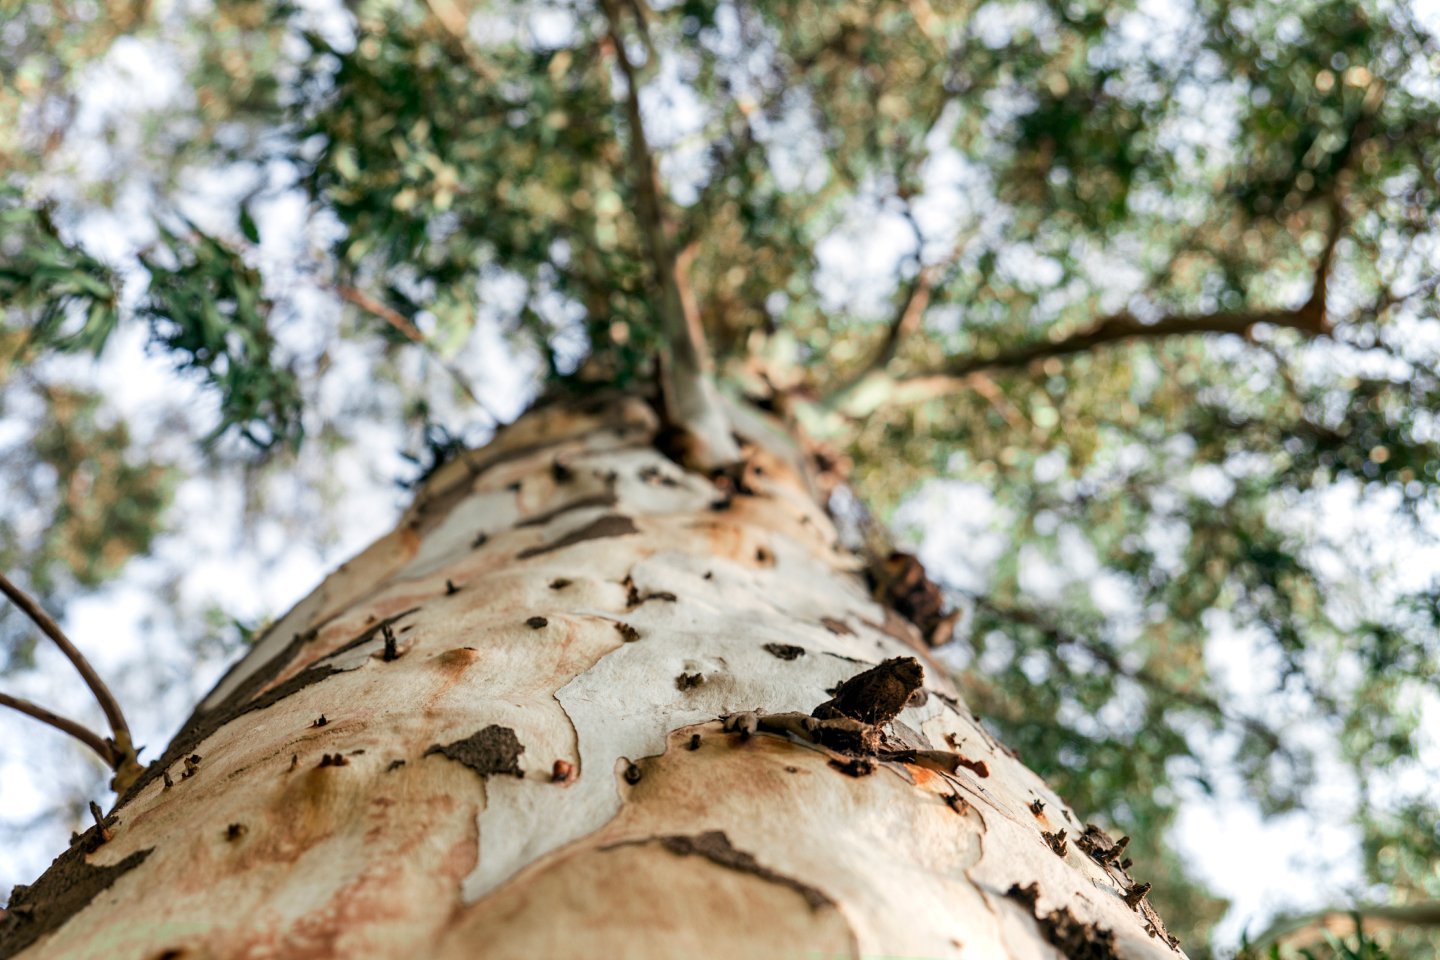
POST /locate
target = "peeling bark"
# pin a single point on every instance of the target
(730, 747)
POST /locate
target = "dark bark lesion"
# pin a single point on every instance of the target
(494, 750)
(610, 525)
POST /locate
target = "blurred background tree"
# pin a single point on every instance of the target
(1122, 315)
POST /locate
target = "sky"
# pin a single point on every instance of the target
(1295, 861)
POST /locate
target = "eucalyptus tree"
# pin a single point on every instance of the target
(1161, 283)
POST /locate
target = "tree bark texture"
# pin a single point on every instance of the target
(584, 702)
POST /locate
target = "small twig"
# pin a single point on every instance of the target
(123, 760)
(102, 832)
(79, 731)
(1010, 413)
(412, 333)
(391, 316)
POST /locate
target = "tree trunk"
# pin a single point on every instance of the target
(583, 702)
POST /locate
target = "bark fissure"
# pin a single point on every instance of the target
(715, 846)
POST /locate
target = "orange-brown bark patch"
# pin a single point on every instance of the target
(611, 525)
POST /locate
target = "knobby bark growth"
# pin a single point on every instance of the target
(583, 691)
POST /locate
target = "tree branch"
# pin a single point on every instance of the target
(391, 316)
(1119, 328)
(79, 731)
(905, 322)
(1309, 318)
(51, 629)
(123, 762)
(692, 401)
(396, 319)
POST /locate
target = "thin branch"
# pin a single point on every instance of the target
(412, 333)
(908, 315)
(1119, 328)
(79, 731)
(121, 754)
(391, 316)
(1010, 413)
(1309, 318)
(51, 629)
(730, 161)
(906, 320)
(691, 399)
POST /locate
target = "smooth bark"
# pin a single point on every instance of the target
(572, 706)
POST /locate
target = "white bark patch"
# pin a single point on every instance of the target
(483, 513)
(626, 705)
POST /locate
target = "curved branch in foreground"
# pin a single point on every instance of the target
(123, 761)
(79, 731)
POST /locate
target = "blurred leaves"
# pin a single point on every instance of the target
(206, 307)
(70, 294)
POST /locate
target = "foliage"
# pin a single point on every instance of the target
(1158, 281)
(206, 308)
